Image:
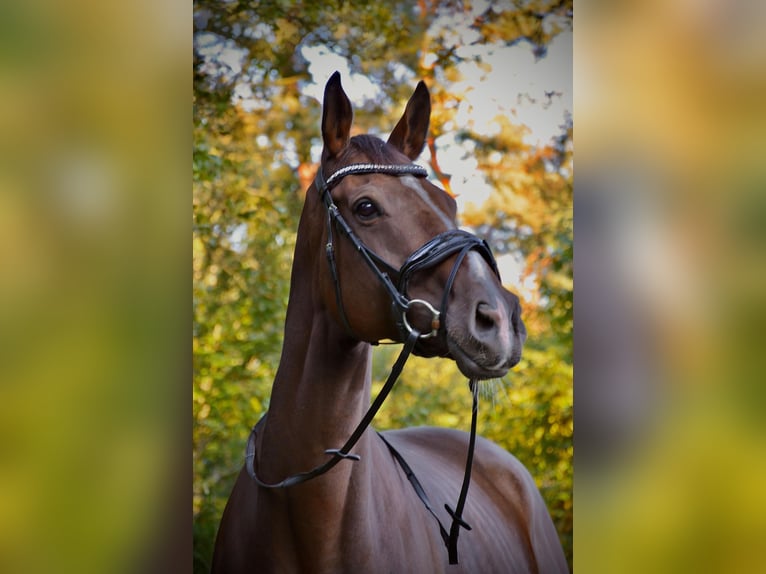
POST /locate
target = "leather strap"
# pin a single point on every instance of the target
(428, 255)
(343, 452)
(449, 538)
(364, 168)
(440, 248)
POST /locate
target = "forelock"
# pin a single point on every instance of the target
(374, 149)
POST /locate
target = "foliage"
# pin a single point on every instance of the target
(256, 139)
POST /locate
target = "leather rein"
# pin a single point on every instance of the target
(428, 255)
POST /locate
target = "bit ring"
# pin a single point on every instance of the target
(435, 323)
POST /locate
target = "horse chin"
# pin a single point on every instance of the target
(474, 365)
(477, 365)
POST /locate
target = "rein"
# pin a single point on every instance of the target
(428, 255)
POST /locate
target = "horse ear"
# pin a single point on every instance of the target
(336, 116)
(409, 135)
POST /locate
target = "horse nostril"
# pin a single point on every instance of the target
(485, 317)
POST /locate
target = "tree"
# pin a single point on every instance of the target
(256, 141)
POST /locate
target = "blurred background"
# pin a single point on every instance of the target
(670, 218)
(94, 288)
(94, 259)
(500, 77)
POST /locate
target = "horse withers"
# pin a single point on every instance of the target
(379, 256)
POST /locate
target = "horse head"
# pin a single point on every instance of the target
(396, 260)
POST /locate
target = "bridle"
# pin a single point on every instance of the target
(428, 255)
(432, 253)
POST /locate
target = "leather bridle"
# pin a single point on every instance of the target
(432, 253)
(428, 255)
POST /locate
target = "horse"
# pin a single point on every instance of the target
(379, 256)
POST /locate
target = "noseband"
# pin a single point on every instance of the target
(430, 254)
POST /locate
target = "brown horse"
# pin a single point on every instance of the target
(384, 222)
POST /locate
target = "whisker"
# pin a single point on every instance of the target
(488, 391)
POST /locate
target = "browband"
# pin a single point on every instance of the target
(362, 168)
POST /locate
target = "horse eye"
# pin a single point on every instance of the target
(366, 209)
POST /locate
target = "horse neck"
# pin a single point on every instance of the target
(322, 386)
